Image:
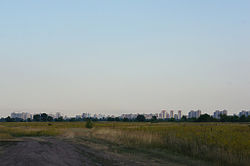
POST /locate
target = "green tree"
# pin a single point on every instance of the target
(140, 118)
(171, 120)
(60, 119)
(234, 118)
(89, 124)
(50, 118)
(224, 118)
(110, 119)
(125, 120)
(9, 119)
(44, 117)
(248, 118)
(72, 119)
(243, 118)
(117, 119)
(154, 118)
(37, 117)
(184, 118)
(205, 118)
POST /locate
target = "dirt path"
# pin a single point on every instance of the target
(40, 152)
(57, 152)
(70, 152)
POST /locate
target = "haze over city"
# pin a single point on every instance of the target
(115, 57)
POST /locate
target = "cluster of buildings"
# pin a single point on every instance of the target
(218, 113)
(162, 115)
(177, 116)
(133, 116)
(56, 115)
(244, 113)
(96, 116)
(194, 114)
(26, 115)
(165, 115)
(23, 115)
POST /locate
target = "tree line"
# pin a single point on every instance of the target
(140, 118)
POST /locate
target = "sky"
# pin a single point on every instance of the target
(133, 56)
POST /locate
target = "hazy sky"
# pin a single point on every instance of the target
(124, 56)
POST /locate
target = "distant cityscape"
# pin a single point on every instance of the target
(163, 115)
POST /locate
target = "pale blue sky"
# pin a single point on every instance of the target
(124, 56)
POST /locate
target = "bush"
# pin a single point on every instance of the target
(140, 118)
(89, 124)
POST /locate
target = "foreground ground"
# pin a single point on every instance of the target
(49, 151)
(171, 144)
(39, 152)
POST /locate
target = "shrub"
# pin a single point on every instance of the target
(89, 124)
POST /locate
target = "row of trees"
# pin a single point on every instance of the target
(140, 118)
(208, 118)
(223, 118)
(36, 118)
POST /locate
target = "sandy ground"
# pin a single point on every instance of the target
(41, 152)
(69, 152)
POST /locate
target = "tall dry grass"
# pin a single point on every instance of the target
(223, 144)
(220, 143)
(13, 130)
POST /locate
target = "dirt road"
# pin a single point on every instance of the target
(40, 152)
(62, 152)
(56, 152)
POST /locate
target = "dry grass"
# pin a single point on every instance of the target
(220, 143)
(5, 136)
(223, 144)
(8, 130)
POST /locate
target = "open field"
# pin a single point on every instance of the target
(155, 143)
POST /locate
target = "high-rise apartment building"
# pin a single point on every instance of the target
(86, 115)
(194, 114)
(163, 114)
(58, 115)
(160, 116)
(244, 113)
(179, 114)
(171, 114)
(176, 117)
(167, 115)
(218, 113)
(23, 115)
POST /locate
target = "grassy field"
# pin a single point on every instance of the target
(218, 143)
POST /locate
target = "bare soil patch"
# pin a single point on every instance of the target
(55, 151)
(40, 152)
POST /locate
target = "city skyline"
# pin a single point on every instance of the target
(117, 113)
(163, 114)
(118, 57)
